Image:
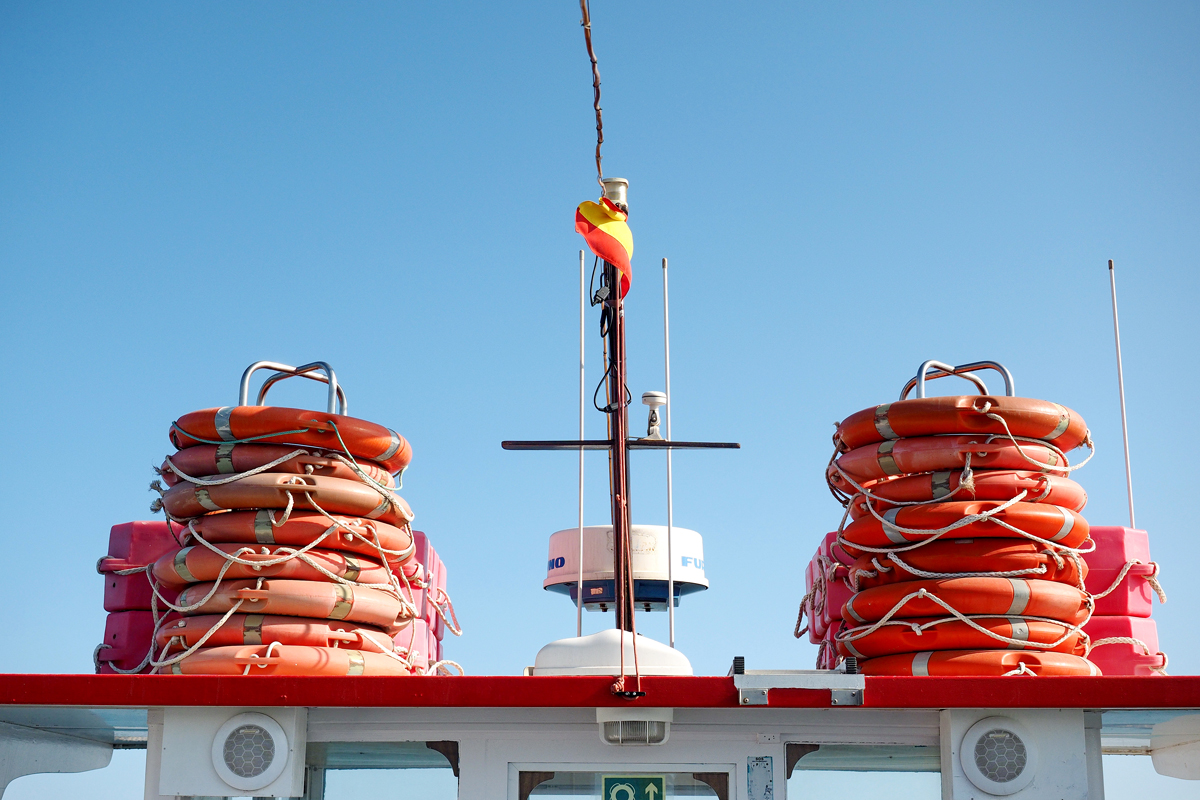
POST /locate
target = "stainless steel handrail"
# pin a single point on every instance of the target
(941, 370)
(336, 403)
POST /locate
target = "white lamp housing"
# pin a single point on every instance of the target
(634, 725)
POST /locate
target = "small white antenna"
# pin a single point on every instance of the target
(1112, 279)
(582, 391)
(670, 510)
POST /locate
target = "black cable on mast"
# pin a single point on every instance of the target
(587, 37)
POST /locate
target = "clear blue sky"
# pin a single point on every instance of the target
(843, 192)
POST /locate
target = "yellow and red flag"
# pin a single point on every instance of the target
(607, 235)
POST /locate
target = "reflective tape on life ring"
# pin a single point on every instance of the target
(887, 460)
(277, 425)
(272, 490)
(356, 535)
(932, 416)
(295, 598)
(241, 629)
(954, 634)
(1004, 596)
(1051, 523)
(978, 663)
(990, 484)
(286, 660)
(198, 563)
(947, 557)
(206, 460)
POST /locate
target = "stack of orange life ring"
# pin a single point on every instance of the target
(296, 556)
(967, 534)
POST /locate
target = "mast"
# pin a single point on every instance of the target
(618, 454)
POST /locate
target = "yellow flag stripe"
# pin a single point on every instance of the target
(617, 229)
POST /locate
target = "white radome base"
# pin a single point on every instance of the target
(600, 654)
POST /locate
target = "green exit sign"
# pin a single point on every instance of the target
(633, 787)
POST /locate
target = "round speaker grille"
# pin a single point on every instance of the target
(248, 751)
(1001, 755)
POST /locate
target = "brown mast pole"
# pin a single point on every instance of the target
(618, 452)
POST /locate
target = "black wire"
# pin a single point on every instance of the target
(603, 378)
(592, 280)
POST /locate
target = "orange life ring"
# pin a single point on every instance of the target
(930, 416)
(933, 454)
(294, 426)
(954, 634)
(291, 598)
(952, 556)
(187, 632)
(274, 659)
(227, 459)
(305, 527)
(198, 563)
(271, 490)
(1050, 523)
(1005, 596)
(978, 663)
(990, 484)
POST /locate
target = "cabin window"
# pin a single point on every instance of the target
(823, 771)
(354, 770)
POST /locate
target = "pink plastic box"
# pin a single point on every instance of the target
(434, 572)
(426, 649)
(439, 625)
(130, 545)
(814, 606)
(1125, 659)
(1116, 546)
(829, 654)
(132, 592)
(824, 608)
(128, 635)
(837, 592)
(136, 544)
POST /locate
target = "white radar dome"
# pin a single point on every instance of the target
(649, 558)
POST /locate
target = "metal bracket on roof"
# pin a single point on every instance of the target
(754, 685)
(845, 697)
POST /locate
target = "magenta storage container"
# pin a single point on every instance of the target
(128, 635)
(1116, 546)
(131, 545)
(420, 557)
(808, 604)
(424, 644)
(815, 607)
(132, 592)
(836, 590)
(439, 625)
(829, 655)
(136, 544)
(1125, 659)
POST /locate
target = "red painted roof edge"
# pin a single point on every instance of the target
(144, 691)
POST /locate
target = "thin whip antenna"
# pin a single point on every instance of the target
(582, 391)
(587, 38)
(1112, 279)
(670, 510)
